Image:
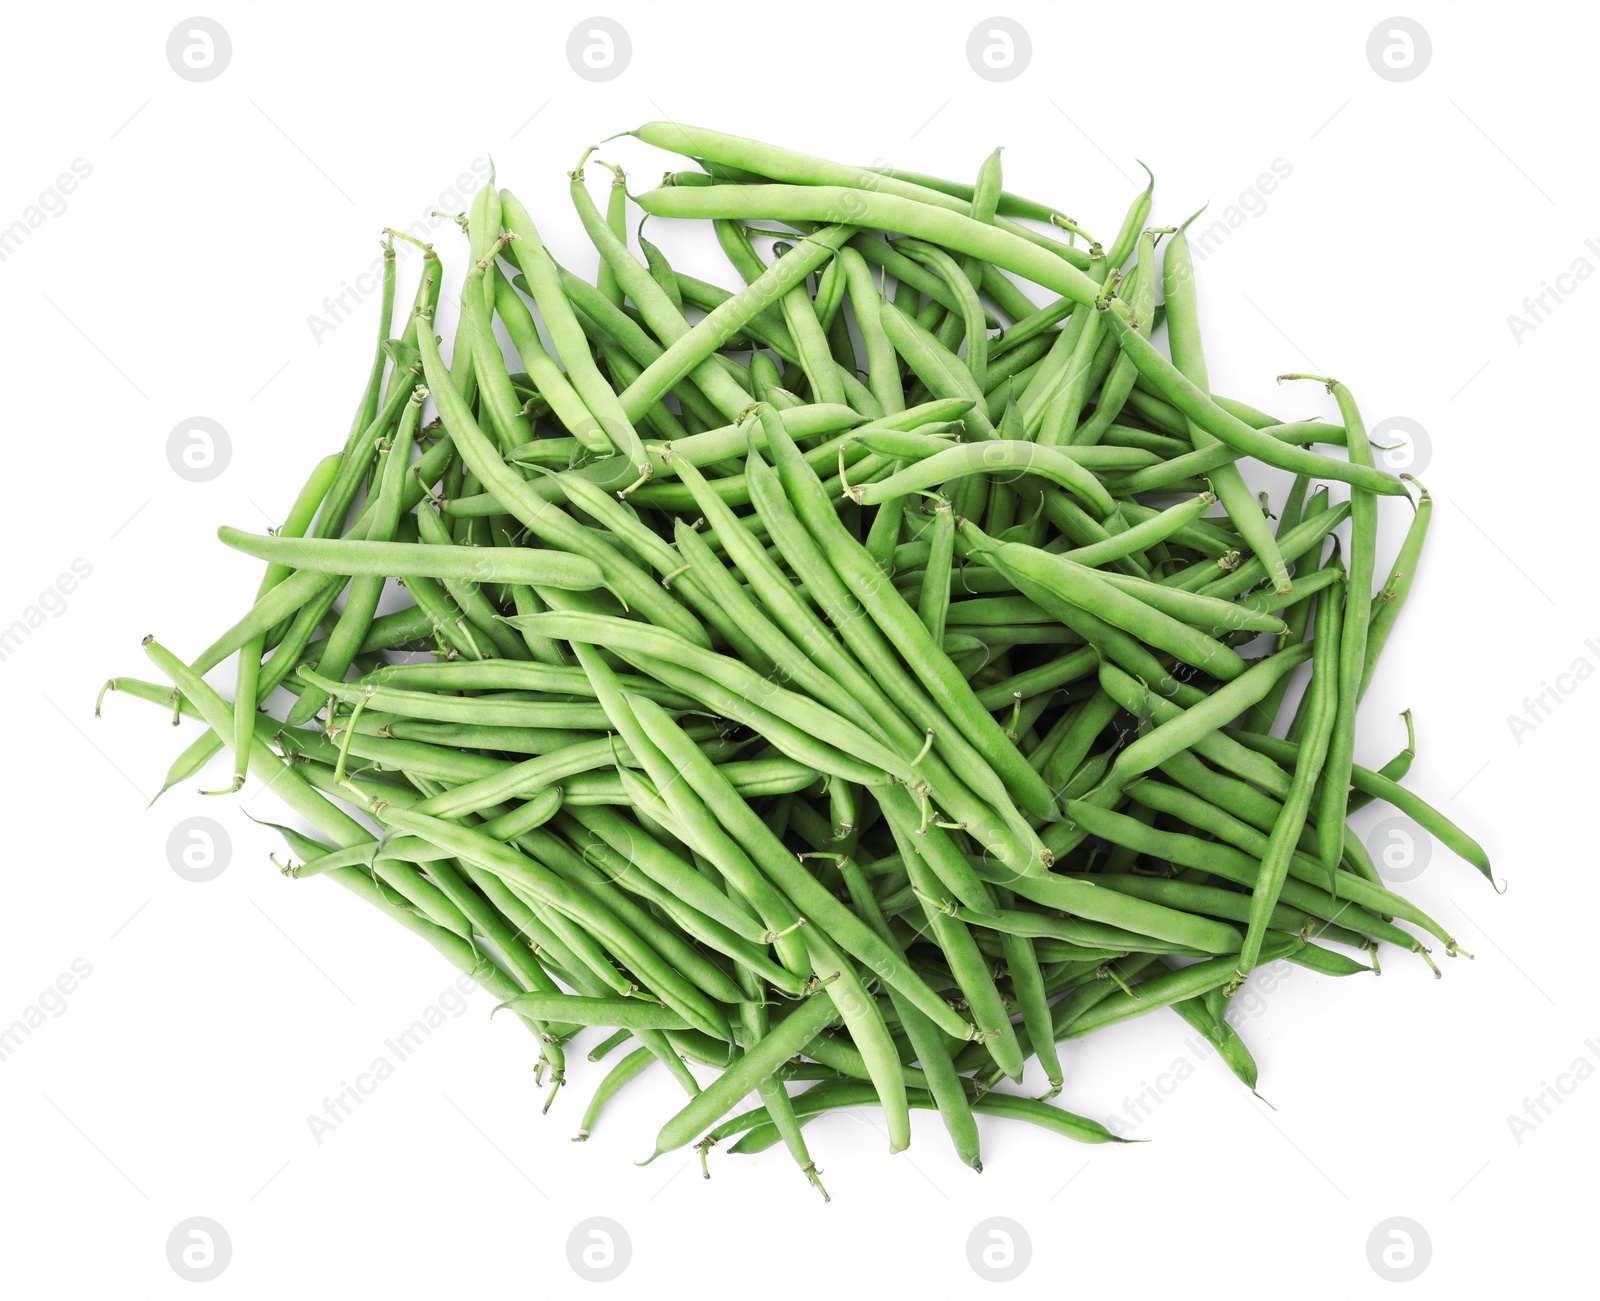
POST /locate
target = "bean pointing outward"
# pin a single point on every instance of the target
(478, 564)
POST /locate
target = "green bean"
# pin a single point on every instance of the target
(295, 525)
(1212, 901)
(509, 675)
(926, 1039)
(968, 782)
(1186, 730)
(545, 283)
(1067, 467)
(629, 1013)
(1222, 1036)
(549, 380)
(1407, 802)
(628, 1068)
(654, 299)
(1087, 900)
(1044, 678)
(551, 891)
(1301, 891)
(730, 316)
(933, 600)
(784, 871)
(1168, 988)
(1172, 473)
(846, 1094)
(1188, 358)
(1297, 542)
(1229, 429)
(789, 1036)
(883, 371)
(479, 564)
(1334, 792)
(799, 710)
(886, 211)
(361, 603)
(337, 825)
(545, 520)
(785, 164)
(1225, 750)
(362, 445)
(1053, 582)
(1146, 533)
(1082, 937)
(1194, 608)
(900, 622)
(675, 876)
(1326, 686)
(1392, 596)
(1396, 769)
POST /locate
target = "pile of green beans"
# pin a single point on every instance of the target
(871, 678)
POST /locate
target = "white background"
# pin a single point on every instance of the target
(178, 281)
